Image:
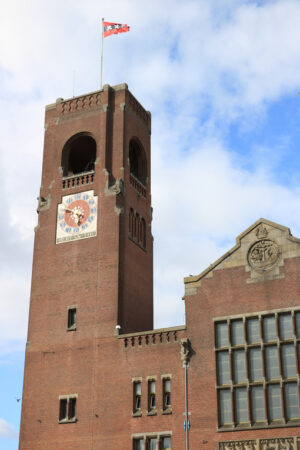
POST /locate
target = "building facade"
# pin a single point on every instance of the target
(97, 375)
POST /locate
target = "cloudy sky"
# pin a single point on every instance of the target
(221, 78)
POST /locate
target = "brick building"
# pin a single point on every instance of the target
(97, 375)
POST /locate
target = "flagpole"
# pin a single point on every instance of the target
(101, 64)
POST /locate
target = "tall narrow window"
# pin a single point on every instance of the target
(237, 332)
(258, 404)
(151, 398)
(67, 408)
(137, 392)
(166, 443)
(152, 444)
(72, 311)
(292, 401)
(167, 393)
(274, 402)
(225, 410)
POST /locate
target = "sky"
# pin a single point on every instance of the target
(222, 81)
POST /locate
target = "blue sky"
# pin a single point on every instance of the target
(221, 79)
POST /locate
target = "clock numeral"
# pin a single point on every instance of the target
(93, 210)
(84, 226)
(78, 196)
(91, 218)
(69, 200)
(85, 197)
(76, 230)
(68, 229)
(91, 202)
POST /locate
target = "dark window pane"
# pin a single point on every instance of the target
(292, 401)
(223, 368)
(166, 443)
(253, 334)
(225, 410)
(237, 332)
(139, 444)
(63, 409)
(221, 334)
(274, 402)
(255, 364)
(71, 317)
(288, 361)
(272, 363)
(297, 318)
(258, 403)
(269, 328)
(241, 405)
(72, 408)
(285, 326)
(239, 366)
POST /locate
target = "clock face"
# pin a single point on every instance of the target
(77, 217)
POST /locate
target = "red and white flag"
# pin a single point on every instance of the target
(110, 28)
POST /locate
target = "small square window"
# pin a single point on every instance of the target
(72, 318)
(67, 409)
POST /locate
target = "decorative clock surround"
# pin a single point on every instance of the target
(77, 217)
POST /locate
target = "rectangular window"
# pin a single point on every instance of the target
(225, 411)
(272, 362)
(237, 332)
(152, 444)
(253, 333)
(274, 402)
(269, 327)
(139, 444)
(223, 368)
(166, 443)
(72, 318)
(221, 334)
(255, 364)
(239, 366)
(166, 393)
(257, 369)
(137, 392)
(292, 401)
(67, 408)
(151, 395)
(286, 326)
(241, 405)
(288, 361)
(258, 404)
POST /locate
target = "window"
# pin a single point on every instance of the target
(67, 408)
(138, 162)
(257, 364)
(137, 228)
(166, 394)
(151, 396)
(78, 155)
(152, 442)
(137, 392)
(139, 444)
(72, 318)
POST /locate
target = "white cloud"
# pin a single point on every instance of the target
(7, 431)
(199, 66)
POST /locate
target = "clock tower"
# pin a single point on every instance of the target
(93, 261)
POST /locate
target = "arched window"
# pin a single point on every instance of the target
(78, 155)
(138, 161)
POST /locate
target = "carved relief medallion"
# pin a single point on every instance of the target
(263, 255)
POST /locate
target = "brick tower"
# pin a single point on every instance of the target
(92, 269)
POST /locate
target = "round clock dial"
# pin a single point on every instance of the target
(77, 216)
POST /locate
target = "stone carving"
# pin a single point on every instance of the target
(278, 444)
(264, 255)
(286, 443)
(261, 232)
(238, 445)
(185, 351)
(116, 188)
(43, 203)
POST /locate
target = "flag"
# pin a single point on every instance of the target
(110, 28)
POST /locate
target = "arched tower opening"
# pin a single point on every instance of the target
(79, 155)
(138, 161)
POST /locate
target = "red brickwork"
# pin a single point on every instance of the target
(110, 280)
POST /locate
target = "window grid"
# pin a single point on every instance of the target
(258, 376)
